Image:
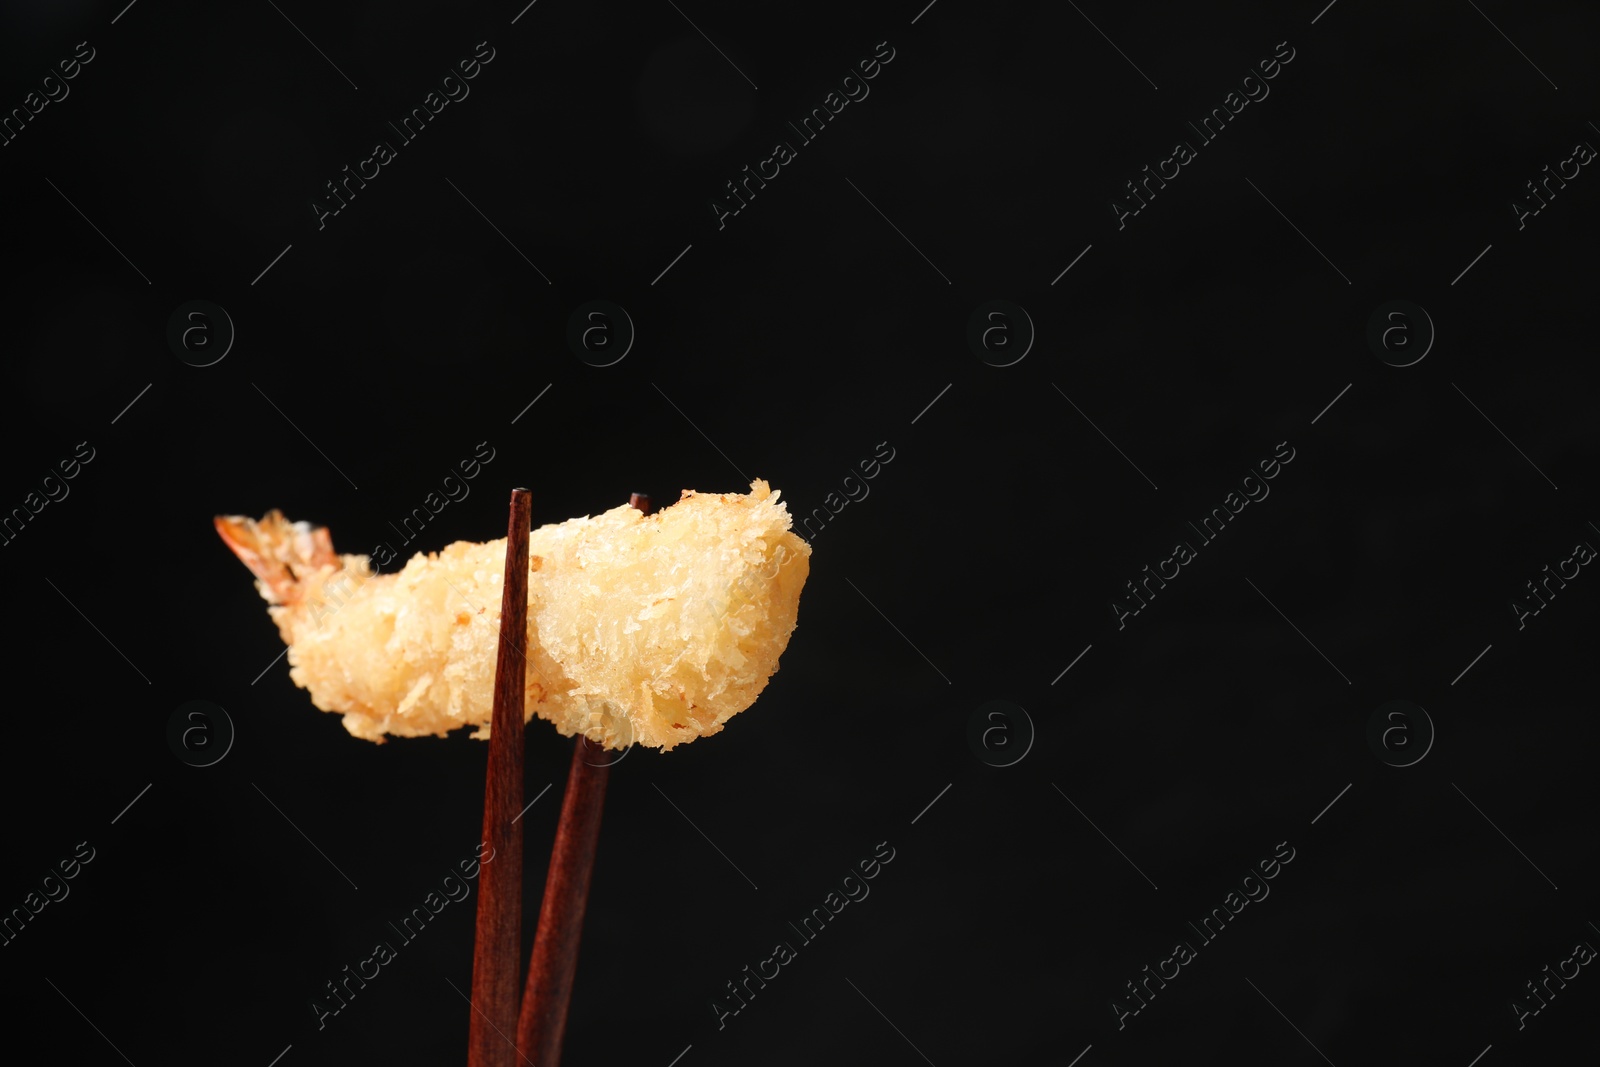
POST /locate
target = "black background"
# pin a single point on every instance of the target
(787, 345)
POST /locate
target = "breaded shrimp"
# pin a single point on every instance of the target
(641, 629)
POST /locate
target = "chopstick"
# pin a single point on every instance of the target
(554, 961)
(497, 944)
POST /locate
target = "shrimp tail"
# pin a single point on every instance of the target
(283, 555)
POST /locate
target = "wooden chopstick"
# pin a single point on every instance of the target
(554, 961)
(497, 945)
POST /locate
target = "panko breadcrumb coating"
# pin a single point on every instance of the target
(652, 630)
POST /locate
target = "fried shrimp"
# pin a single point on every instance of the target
(652, 630)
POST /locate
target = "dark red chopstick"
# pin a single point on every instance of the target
(566, 895)
(497, 945)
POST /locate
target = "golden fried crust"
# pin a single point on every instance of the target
(641, 629)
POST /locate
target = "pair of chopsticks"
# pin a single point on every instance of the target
(506, 1030)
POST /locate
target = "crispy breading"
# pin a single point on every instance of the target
(652, 630)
